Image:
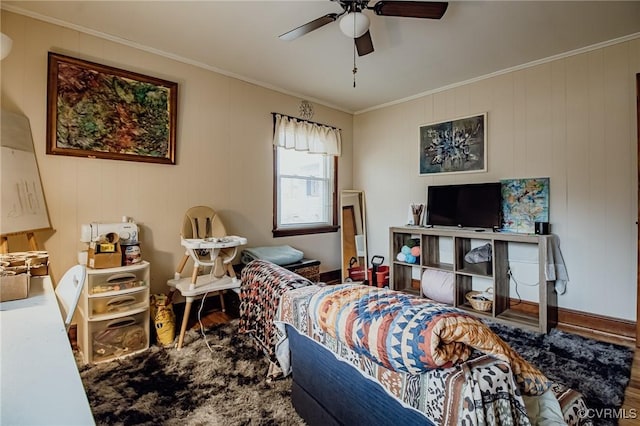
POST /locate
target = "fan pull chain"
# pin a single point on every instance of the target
(355, 68)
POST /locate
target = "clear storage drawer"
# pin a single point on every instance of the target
(119, 303)
(99, 284)
(120, 336)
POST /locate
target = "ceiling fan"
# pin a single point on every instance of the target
(355, 24)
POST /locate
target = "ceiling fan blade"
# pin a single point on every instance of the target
(364, 44)
(411, 9)
(309, 26)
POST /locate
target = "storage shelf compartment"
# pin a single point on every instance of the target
(109, 339)
(406, 239)
(431, 253)
(470, 309)
(402, 277)
(445, 250)
(519, 317)
(464, 246)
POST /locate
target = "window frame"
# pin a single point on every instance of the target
(304, 229)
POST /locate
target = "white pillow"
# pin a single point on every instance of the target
(438, 285)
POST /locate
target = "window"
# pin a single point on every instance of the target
(305, 177)
(305, 188)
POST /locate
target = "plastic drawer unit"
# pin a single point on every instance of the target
(113, 313)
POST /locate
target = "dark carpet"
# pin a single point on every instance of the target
(598, 370)
(195, 386)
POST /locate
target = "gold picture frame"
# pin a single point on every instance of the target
(99, 111)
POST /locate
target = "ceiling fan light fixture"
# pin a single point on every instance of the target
(354, 24)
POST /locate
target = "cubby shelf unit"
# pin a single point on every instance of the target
(444, 249)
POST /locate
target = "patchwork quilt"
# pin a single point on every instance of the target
(263, 284)
(431, 357)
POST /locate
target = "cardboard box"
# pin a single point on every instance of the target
(14, 287)
(38, 263)
(97, 260)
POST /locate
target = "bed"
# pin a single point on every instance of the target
(363, 355)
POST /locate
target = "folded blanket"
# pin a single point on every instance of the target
(280, 255)
(406, 333)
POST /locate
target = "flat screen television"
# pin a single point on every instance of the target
(475, 205)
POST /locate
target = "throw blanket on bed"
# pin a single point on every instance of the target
(481, 390)
(263, 284)
(280, 255)
(407, 333)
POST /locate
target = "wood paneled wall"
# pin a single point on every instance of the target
(570, 119)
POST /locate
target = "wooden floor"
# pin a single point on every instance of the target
(629, 416)
(209, 319)
(632, 396)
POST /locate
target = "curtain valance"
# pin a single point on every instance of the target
(303, 135)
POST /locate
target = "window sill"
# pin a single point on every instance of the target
(304, 231)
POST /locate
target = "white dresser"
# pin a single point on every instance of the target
(113, 312)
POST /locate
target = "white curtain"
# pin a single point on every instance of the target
(303, 135)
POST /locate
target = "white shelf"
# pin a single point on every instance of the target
(204, 284)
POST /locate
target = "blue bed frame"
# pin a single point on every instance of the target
(328, 391)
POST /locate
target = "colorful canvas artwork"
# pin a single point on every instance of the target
(99, 111)
(524, 202)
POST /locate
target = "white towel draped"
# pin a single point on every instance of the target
(555, 269)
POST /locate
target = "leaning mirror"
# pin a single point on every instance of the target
(354, 236)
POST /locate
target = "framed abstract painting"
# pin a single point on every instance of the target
(454, 146)
(100, 111)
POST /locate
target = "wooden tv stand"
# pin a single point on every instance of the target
(478, 276)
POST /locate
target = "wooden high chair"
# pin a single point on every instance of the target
(208, 245)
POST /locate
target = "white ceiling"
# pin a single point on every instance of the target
(412, 56)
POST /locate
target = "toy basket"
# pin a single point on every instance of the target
(480, 300)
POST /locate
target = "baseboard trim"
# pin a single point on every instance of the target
(331, 277)
(569, 319)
